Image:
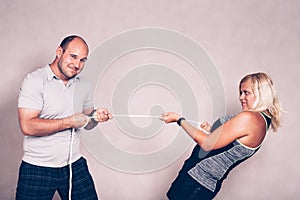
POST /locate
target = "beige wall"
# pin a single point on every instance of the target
(239, 36)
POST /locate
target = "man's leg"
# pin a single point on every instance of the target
(83, 187)
(35, 182)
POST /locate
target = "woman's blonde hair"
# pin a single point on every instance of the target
(266, 98)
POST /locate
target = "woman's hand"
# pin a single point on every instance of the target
(169, 117)
(205, 126)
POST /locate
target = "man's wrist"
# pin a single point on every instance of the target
(91, 115)
(67, 122)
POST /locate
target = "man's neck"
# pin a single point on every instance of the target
(57, 72)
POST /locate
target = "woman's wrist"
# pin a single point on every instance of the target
(179, 120)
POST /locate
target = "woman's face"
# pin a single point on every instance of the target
(247, 96)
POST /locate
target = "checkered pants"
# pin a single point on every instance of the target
(37, 182)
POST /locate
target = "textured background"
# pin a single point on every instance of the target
(240, 36)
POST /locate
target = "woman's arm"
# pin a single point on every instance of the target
(248, 126)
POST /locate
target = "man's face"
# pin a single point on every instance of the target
(71, 61)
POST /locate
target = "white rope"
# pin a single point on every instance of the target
(70, 162)
(114, 115)
(198, 126)
(137, 116)
(158, 117)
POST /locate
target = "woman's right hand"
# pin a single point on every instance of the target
(169, 117)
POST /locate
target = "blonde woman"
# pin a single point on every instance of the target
(233, 139)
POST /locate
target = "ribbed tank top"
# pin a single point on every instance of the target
(214, 166)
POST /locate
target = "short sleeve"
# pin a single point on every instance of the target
(31, 91)
(83, 96)
(89, 100)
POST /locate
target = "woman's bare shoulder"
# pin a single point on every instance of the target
(249, 120)
(249, 115)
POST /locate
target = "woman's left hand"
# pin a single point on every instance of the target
(205, 126)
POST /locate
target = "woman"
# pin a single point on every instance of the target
(232, 140)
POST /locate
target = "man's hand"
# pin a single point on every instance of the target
(80, 120)
(102, 115)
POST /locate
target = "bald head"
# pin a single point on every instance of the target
(66, 41)
(70, 59)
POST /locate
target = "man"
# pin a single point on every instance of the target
(54, 103)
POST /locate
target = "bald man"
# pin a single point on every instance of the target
(53, 105)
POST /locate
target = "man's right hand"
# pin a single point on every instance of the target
(80, 120)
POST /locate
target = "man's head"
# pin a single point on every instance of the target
(65, 42)
(71, 56)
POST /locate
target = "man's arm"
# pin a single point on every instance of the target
(32, 125)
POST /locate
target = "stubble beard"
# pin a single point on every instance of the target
(64, 73)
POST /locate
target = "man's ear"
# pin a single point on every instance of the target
(59, 51)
